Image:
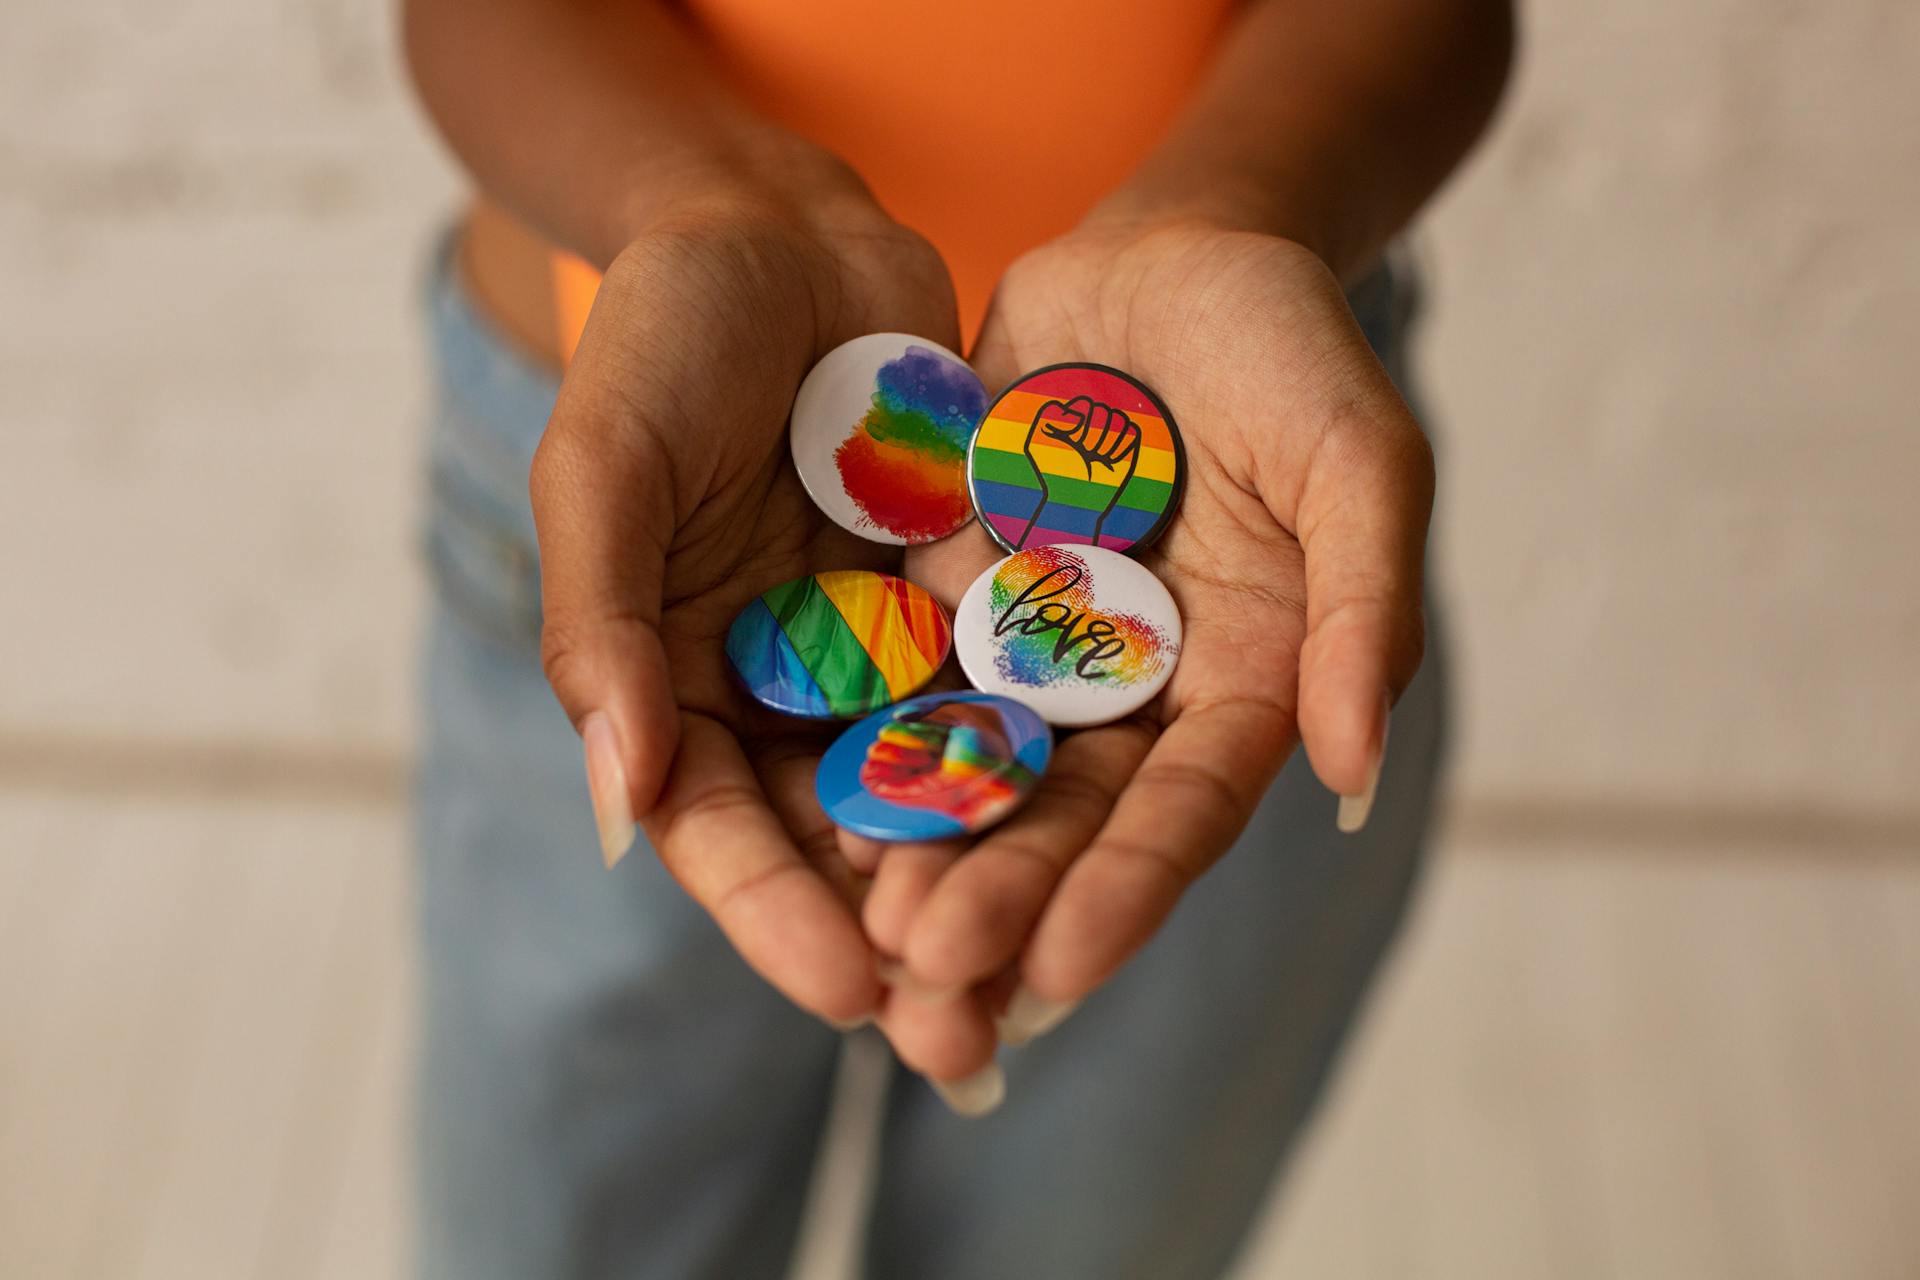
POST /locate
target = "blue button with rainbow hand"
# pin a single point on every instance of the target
(935, 766)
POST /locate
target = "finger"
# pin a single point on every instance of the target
(862, 853)
(1362, 523)
(786, 773)
(978, 917)
(1080, 409)
(1124, 443)
(719, 837)
(1100, 420)
(905, 876)
(1185, 805)
(944, 1040)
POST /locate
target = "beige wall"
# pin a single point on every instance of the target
(1674, 322)
(1677, 320)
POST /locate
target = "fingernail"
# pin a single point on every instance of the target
(607, 783)
(976, 1095)
(895, 975)
(1355, 808)
(1029, 1017)
(849, 1024)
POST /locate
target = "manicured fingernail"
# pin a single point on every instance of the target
(1029, 1016)
(895, 975)
(976, 1095)
(849, 1024)
(607, 782)
(1355, 808)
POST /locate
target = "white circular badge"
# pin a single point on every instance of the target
(880, 433)
(1082, 635)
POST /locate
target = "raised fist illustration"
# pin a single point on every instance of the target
(1083, 453)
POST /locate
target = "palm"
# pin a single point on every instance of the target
(754, 533)
(1231, 561)
(1293, 438)
(666, 503)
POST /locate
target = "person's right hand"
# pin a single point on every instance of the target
(665, 502)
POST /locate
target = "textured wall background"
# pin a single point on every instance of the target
(1678, 301)
(1674, 312)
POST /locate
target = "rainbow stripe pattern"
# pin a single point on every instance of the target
(1031, 488)
(838, 645)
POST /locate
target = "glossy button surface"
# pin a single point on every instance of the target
(1076, 454)
(939, 765)
(1080, 634)
(879, 435)
(838, 645)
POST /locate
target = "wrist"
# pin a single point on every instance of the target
(810, 221)
(1151, 204)
(772, 182)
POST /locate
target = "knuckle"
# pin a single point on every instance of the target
(1152, 859)
(736, 893)
(1206, 786)
(1084, 801)
(563, 660)
(1042, 859)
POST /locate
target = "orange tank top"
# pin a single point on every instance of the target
(989, 126)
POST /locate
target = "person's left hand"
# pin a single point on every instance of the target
(1296, 560)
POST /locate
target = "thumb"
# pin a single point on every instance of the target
(1363, 525)
(604, 513)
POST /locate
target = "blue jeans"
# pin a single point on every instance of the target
(607, 1091)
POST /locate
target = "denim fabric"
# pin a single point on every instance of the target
(607, 1091)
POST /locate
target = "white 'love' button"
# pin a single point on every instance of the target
(879, 435)
(1082, 635)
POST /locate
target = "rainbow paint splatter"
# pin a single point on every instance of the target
(1049, 630)
(904, 464)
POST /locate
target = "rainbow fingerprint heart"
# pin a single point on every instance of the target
(838, 645)
(1083, 635)
(1076, 454)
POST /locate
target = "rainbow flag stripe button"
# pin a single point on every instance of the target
(838, 645)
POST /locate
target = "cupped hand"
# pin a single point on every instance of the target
(665, 502)
(1296, 560)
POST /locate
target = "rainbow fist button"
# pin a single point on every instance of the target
(1082, 635)
(879, 436)
(838, 645)
(1076, 454)
(939, 765)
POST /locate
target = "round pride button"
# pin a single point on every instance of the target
(879, 437)
(1076, 454)
(838, 645)
(939, 765)
(1082, 635)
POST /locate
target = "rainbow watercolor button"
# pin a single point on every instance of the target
(935, 766)
(1082, 635)
(879, 435)
(838, 645)
(1076, 454)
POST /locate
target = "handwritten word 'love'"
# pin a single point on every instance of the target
(1079, 628)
